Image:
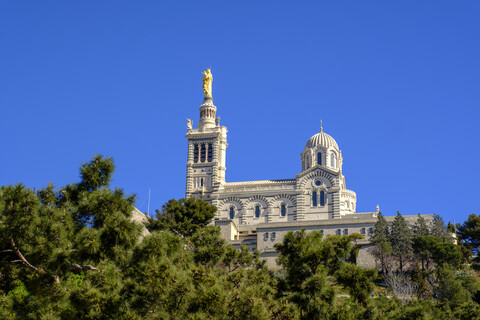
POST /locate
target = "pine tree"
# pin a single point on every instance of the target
(421, 228)
(380, 230)
(439, 229)
(449, 290)
(358, 281)
(469, 233)
(401, 240)
(184, 216)
(380, 240)
(66, 248)
(307, 259)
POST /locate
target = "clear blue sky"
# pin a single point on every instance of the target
(395, 82)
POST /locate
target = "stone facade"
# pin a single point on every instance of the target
(259, 213)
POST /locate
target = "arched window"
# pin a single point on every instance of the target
(232, 212)
(201, 182)
(283, 210)
(202, 152)
(195, 153)
(257, 211)
(210, 152)
(319, 158)
(314, 198)
(332, 161)
(322, 198)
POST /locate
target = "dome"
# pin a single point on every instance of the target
(321, 139)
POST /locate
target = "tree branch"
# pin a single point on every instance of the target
(189, 244)
(15, 262)
(22, 258)
(82, 267)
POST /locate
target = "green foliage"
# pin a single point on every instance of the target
(400, 240)
(74, 253)
(234, 258)
(315, 297)
(302, 253)
(96, 173)
(380, 231)
(469, 232)
(467, 311)
(432, 248)
(447, 253)
(450, 228)
(83, 258)
(470, 283)
(450, 290)
(19, 291)
(421, 228)
(357, 280)
(56, 243)
(184, 216)
(413, 310)
(307, 259)
(158, 275)
(380, 239)
(439, 229)
(423, 245)
(421, 279)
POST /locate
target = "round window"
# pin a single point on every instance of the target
(318, 183)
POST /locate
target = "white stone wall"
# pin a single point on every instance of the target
(263, 237)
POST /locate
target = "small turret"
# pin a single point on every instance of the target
(207, 114)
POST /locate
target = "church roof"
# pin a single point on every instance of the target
(258, 182)
(321, 139)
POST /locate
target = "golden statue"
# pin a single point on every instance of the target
(207, 83)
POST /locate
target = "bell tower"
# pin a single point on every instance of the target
(207, 146)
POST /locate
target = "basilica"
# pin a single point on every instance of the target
(259, 213)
